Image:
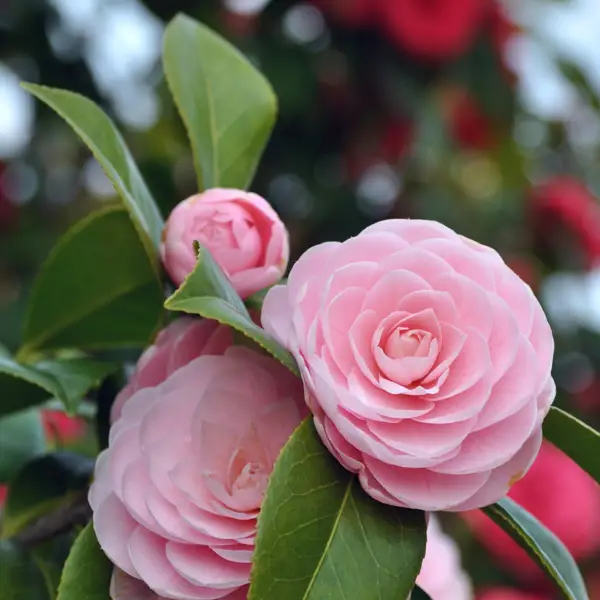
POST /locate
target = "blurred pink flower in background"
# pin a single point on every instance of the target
(442, 576)
(243, 233)
(426, 362)
(562, 496)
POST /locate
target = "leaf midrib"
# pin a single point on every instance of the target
(334, 530)
(78, 316)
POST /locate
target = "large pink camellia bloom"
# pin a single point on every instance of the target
(176, 495)
(241, 230)
(442, 575)
(175, 346)
(426, 362)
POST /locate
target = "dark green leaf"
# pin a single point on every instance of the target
(541, 544)
(320, 536)
(102, 137)
(208, 293)
(87, 572)
(43, 484)
(21, 439)
(575, 438)
(228, 107)
(95, 290)
(208, 280)
(20, 578)
(219, 310)
(67, 380)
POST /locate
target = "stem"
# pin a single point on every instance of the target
(75, 513)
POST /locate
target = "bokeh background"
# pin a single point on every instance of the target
(482, 114)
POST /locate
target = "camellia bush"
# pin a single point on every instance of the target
(277, 438)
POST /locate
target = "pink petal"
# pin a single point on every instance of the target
(339, 316)
(489, 448)
(276, 315)
(463, 261)
(501, 478)
(424, 488)
(148, 554)
(384, 297)
(504, 338)
(412, 230)
(415, 260)
(441, 303)
(519, 297)
(202, 567)
(114, 526)
(314, 260)
(422, 439)
(354, 275)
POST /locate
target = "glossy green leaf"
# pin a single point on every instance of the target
(208, 293)
(541, 544)
(43, 484)
(575, 438)
(219, 310)
(67, 380)
(320, 536)
(100, 134)
(87, 571)
(21, 439)
(96, 290)
(20, 577)
(208, 280)
(228, 107)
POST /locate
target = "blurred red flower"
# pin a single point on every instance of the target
(433, 29)
(469, 127)
(62, 428)
(568, 201)
(503, 593)
(562, 496)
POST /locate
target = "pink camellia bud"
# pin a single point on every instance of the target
(241, 230)
(426, 362)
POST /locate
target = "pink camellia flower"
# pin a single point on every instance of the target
(177, 493)
(562, 496)
(426, 362)
(242, 232)
(442, 576)
(175, 346)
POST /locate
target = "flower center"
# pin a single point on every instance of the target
(216, 233)
(402, 343)
(251, 477)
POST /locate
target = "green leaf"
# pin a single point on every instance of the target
(208, 293)
(228, 107)
(320, 536)
(20, 578)
(575, 438)
(67, 380)
(21, 439)
(96, 290)
(42, 485)
(96, 130)
(541, 544)
(87, 571)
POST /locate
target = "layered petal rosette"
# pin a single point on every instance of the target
(177, 493)
(426, 362)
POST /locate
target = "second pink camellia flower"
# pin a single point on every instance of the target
(243, 233)
(426, 362)
(177, 493)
